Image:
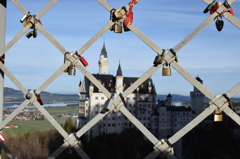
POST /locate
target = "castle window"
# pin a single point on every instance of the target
(96, 97)
(102, 98)
(109, 85)
(103, 84)
(127, 98)
(113, 124)
(134, 98)
(149, 105)
(142, 85)
(148, 124)
(109, 125)
(113, 118)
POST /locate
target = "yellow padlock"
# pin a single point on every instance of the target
(166, 71)
(118, 27)
(25, 23)
(218, 117)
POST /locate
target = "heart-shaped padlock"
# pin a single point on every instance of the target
(219, 24)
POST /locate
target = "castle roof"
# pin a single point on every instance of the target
(109, 82)
(104, 51)
(169, 95)
(119, 70)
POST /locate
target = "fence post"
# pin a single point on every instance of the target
(3, 7)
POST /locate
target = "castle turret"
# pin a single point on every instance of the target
(197, 99)
(169, 100)
(119, 80)
(103, 62)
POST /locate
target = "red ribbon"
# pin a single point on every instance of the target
(129, 16)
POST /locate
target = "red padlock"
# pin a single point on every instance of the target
(2, 138)
(39, 22)
(231, 11)
(1, 59)
(39, 99)
(69, 151)
(84, 62)
(215, 8)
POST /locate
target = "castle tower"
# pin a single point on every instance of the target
(197, 99)
(169, 100)
(119, 80)
(103, 61)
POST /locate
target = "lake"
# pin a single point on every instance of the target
(15, 105)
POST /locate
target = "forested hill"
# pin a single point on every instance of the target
(12, 95)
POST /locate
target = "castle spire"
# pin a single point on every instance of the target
(104, 51)
(119, 71)
(103, 62)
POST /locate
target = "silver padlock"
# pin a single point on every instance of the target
(72, 70)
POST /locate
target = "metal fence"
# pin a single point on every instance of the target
(162, 147)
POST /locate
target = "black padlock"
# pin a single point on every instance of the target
(209, 7)
(219, 24)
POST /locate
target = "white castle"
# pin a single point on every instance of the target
(160, 117)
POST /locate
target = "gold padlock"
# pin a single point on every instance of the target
(218, 117)
(25, 23)
(166, 71)
(118, 15)
(28, 35)
(118, 28)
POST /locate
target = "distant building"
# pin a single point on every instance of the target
(160, 117)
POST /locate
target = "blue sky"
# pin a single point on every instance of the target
(212, 55)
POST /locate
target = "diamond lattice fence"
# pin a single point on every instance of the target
(161, 147)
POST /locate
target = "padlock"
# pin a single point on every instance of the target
(2, 138)
(157, 60)
(72, 70)
(119, 15)
(231, 11)
(125, 28)
(215, 7)
(166, 71)
(209, 7)
(218, 117)
(112, 27)
(118, 27)
(84, 62)
(35, 33)
(25, 23)
(39, 99)
(219, 24)
(28, 35)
